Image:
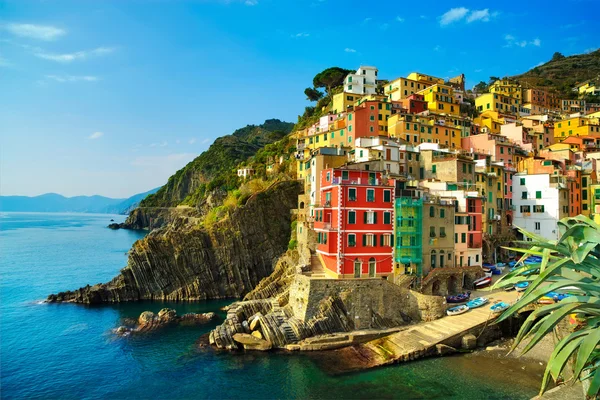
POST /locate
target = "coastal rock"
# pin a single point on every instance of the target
(469, 341)
(185, 261)
(250, 342)
(149, 321)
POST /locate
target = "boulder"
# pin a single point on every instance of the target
(257, 334)
(250, 342)
(469, 341)
(443, 350)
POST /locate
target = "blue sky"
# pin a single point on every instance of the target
(112, 97)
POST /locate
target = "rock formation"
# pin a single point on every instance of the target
(148, 321)
(186, 261)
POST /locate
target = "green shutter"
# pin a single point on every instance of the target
(375, 240)
(364, 239)
(375, 217)
(538, 194)
(365, 217)
(381, 240)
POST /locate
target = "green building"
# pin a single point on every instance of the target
(408, 231)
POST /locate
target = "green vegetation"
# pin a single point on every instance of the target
(216, 167)
(563, 73)
(313, 94)
(330, 78)
(572, 262)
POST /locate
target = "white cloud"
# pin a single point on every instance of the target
(251, 3)
(453, 15)
(513, 41)
(399, 19)
(349, 50)
(70, 57)
(509, 37)
(536, 42)
(521, 43)
(96, 135)
(72, 78)
(31, 31)
(479, 15)
(384, 26)
(301, 35)
(192, 141)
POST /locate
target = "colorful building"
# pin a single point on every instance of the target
(363, 81)
(354, 223)
(408, 228)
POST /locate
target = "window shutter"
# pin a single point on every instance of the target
(381, 241)
(364, 239)
(375, 217)
(374, 240)
(392, 240)
(365, 217)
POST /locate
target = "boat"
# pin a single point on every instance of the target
(457, 310)
(459, 298)
(546, 300)
(499, 307)
(482, 282)
(521, 286)
(477, 302)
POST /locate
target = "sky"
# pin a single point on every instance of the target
(112, 97)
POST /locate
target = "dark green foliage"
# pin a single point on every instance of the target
(330, 78)
(313, 94)
(292, 244)
(481, 87)
(562, 73)
(216, 166)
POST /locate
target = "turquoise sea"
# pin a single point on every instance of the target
(67, 351)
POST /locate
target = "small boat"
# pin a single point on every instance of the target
(496, 271)
(459, 298)
(499, 307)
(521, 286)
(482, 282)
(457, 310)
(512, 264)
(486, 269)
(478, 302)
(546, 300)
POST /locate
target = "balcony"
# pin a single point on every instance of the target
(359, 181)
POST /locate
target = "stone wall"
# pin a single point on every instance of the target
(444, 281)
(370, 303)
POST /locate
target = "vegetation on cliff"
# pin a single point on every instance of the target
(215, 167)
(572, 264)
(562, 73)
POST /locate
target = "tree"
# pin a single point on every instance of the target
(494, 79)
(313, 94)
(557, 56)
(481, 87)
(571, 264)
(330, 78)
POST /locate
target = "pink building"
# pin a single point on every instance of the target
(519, 135)
(496, 146)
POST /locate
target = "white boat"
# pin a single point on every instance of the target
(457, 310)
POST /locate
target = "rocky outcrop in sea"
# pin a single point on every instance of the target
(149, 321)
(189, 261)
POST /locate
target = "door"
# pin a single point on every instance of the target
(388, 154)
(357, 265)
(372, 265)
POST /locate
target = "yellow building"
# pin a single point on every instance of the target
(341, 101)
(497, 102)
(577, 126)
(416, 129)
(509, 88)
(588, 88)
(490, 119)
(425, 79)
(440, 99)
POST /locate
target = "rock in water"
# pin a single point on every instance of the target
(185, 261)
(250, 342)
(149, 321)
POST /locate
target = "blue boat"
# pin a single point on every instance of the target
(521, 286)
(512, 263)
(478, 302)
(499, 307)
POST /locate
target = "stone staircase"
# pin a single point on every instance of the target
(316, 267)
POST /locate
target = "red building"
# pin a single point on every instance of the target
(475, 212)
(415, 103)
(364, 121)
(354, 223)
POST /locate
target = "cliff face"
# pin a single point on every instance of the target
(185, 261)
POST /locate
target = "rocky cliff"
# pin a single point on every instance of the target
(188, 261)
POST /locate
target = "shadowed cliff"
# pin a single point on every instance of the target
(186, 261)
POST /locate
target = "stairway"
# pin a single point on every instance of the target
(316, 268)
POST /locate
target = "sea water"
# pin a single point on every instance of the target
(69, 351)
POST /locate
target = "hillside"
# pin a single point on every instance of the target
(562, 73)
(215, 166)
(52, 202)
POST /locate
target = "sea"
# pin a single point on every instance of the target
(69, 351)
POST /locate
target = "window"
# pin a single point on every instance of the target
(370, 217)
(456, 238)
(387, 217)
(386, 240)
(524, 195)
(345, 176)
(538, 226)
(349, 87)
(538, 209)
(538, 194)
(352, 194)
(464, 167)
(387, 196)
(442, 231)
(522, 181)
(434, 168)
(351, 217)
(463, 238)
(431, 211)
(525, 209)
(442, 213)
(369, 239)
(432, 231)
(349, 117)
(328, 176)
(371, 195)
(351, 240)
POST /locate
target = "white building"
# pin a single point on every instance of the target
(378, 148)
(245, 172)
(539, 201)
(364, 81)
